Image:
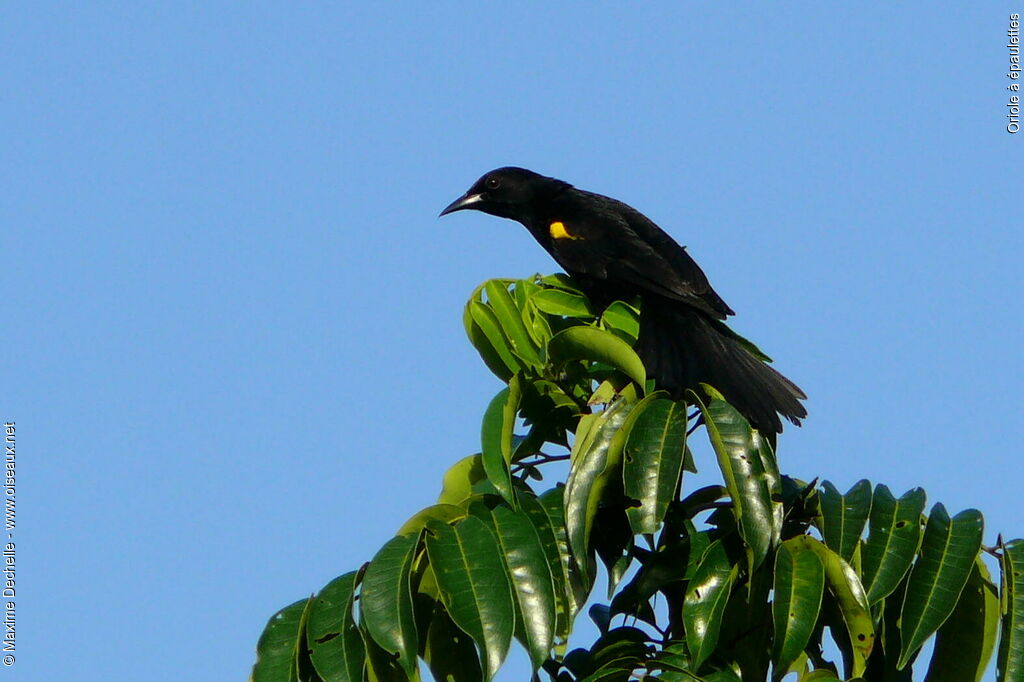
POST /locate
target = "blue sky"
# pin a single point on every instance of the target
(233, 338)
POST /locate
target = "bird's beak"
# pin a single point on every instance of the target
(465, 201)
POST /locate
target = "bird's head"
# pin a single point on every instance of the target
(507, 192)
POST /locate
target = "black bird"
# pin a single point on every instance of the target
(615, 252)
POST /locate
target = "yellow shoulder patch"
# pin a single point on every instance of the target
(558, 231)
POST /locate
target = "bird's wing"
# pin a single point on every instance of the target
(618, 243)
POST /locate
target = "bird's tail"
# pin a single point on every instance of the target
(682, 348)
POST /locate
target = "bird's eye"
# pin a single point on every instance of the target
(493, 183)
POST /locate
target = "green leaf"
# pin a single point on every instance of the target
(706, 597)
(616, 653)
(511, 321)
(613, 540)
(1010, 663)
(623, 320)
(563, 303)
(531, 577)
(887, 615)
(799, 584)
(658, 571)
(850, 596)
(385, 600)
(746, 637)
(725, 674)
(579, 583)
(843, 516)
(964, 643)
(496, 438)
(772, 477)
(460, 478)
(554, 395)
(653, 462)
(449, 652)
(604, 394)
(336, 646)
(446, 513)
(560, 281)
(522, 290)
(701, 498)
(474, 586)
(819, 676)
(538, 326)
(596, 456)
(487, 336)
(494, 360)
(558, 564)
(382, 666)
(939, 574)
(892, 541)
(596, 345)
(281, 644)
(739, 458)
(673, 662)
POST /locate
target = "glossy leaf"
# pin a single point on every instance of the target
(623, 320)
(673, 661)
(562, 281)
(658, 571)
(772, 477)
(729, 673)
(385, 600)
(449, 652)
(593, 460)
(745, 478)
(511, 321)
(496, 435)
(603, 394)
(706, 597)
(537, 325)
(947, 555)
(495, 360)
(613, 542)
(819, 676)
(653, 462)
(1010, 663)
(336, 646)
(616, 653)
(280, 645)
(486, 333)
(964, 643)
(746, 637)
(382, 666)
(522, 290)
(562, 303)
(557, 564)
(596, 345)
(703, 497)
(459, 480)
(531, 577)
(843, 516)
(578, 582)
(799, 584)
(850, 597)
(895, 533)
(474, 586)
(446, 513)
